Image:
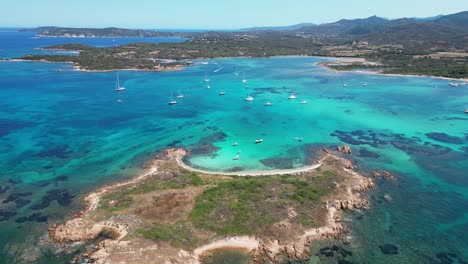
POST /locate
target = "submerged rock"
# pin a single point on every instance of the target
(38, 217)
(3, 189)
(364, 153)
(389, 249)
(6, 215)
(62, 196)
(15, 196)
(278, 163)
(442, 137)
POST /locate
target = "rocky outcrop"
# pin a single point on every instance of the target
(77, 230)
(383, 174)
(344, 149)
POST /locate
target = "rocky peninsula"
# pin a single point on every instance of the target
(173, 215)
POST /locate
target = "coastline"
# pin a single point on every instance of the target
(350, 60)
(323, 64)
(82, 228)
(181, 153)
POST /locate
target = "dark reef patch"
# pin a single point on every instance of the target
(203, 150)
(205, 145)
(359, 137)
(38, 217)
(234, 169)
(334, 251)
(61, 178)
(15, 196)
(364, 153)
(218, 136)
(15, 181)
(60, 151)
(62, 196)
(389, 249)
(278, 163)
(448, 258)
(465, 150)
(3, 189)
(6, 215)
(7, 126)
(442, 137)
(174, 143)
(22, 202)
(271, 90)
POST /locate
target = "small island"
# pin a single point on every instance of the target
(174, 215)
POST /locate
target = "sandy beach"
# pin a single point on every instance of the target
(179, 154)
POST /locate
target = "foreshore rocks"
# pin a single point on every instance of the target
(344, 149)
(383, 174)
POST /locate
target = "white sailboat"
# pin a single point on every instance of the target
(118, 88)
(206, 78)
(172, 101)
(249, 98)
(268, 103)
(180, 95)
(222, 93)
(244, 80)
(304, 102)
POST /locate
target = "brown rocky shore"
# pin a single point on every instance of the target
(115, 239)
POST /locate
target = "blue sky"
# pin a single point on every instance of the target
(210, 14)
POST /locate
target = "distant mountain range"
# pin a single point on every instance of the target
(439, 31)
(368, 25)
(280, 28)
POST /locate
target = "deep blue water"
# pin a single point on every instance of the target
(63, 134)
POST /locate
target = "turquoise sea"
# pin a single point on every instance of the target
(63, 133)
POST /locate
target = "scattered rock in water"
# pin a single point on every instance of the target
(38, 217)
(15, 196)
(344, 149)
(6, 215)
(364, 153)
(383, 174)
(62, 196)
(389, 249)
(387, 197)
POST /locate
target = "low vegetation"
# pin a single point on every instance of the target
(250, 205)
